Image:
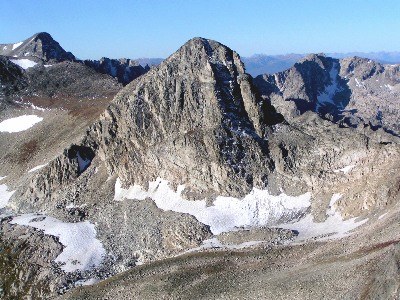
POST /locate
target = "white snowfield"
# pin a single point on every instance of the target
(5, 195)
(227, 213)
(20, 123)
(36, 168)
(82, 250)
(2, 177)
(258, 208)
(24, 63)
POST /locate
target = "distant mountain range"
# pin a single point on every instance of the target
(268, 64)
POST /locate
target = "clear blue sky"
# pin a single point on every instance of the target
(113, 28)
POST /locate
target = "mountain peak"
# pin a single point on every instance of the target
(43, 35)
(41, 45)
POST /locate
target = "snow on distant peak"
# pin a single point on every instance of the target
(16, 45)
(24, 63)
(258, 208)
(330, 90)
(20, 123)
(82, 250)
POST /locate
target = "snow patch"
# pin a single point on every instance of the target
(258, 208)
(4, 195)
(24, 63)
(330, 90)
(334, 226)
(2, 177)
(16, 45)
(382, 216)
(82, 251)
(37, 107)
(390, 87)
(20, 123)
(215, 243)
(358, 83)
(345, 170)
(36, 168)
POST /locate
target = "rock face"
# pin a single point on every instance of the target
(350, 91)
(198, 104)
(11, 80)
(199, 120)
(40, 45)
(125, 70)
(26, 262)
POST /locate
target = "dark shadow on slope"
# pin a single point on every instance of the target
(84, 156)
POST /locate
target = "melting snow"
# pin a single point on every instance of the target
(256, 209)
(4, 195)
(81, 251)
(333, 227)
(15, 46)
(24, 63)
(345, 170)
(20, 123)
(36, 168)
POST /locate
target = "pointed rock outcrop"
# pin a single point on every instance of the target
(195, 119)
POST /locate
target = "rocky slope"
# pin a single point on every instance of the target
(194, 155)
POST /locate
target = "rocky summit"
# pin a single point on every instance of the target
(41, 45)
(197, 181)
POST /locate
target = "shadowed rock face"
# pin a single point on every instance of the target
(198, 104)
(125, 70)
(11, 80)
(40, 45)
